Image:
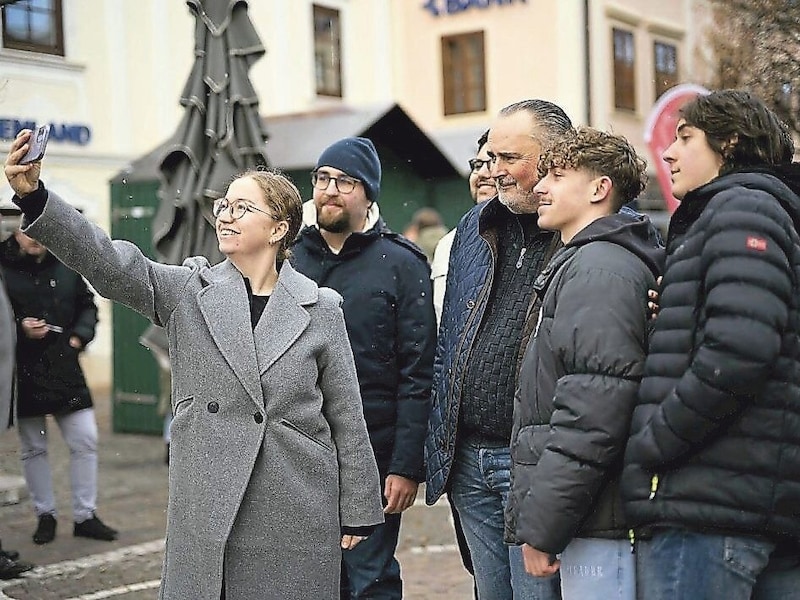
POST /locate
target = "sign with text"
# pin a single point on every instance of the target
(450, 7)
(70, 133)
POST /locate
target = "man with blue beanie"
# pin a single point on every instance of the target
(388, 309)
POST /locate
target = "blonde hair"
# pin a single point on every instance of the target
(283, 200)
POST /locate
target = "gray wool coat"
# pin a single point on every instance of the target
(8, 330)
(270, 453)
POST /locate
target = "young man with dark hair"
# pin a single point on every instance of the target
(712, 467)
(580, 372)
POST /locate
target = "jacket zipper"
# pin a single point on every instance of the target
(653, 491)
(653, 487)
(522, 252)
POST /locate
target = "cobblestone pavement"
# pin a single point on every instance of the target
(133, 497)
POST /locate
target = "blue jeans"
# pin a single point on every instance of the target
(598, 568)
(480, 483)
(678, 564)
(370, 570)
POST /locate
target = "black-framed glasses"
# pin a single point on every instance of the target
(344, 183)
(237, 208)
(476, 164)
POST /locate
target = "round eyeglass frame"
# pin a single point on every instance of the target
(344, 183)
(236, 209)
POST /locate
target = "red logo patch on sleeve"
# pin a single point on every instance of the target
(756, 243)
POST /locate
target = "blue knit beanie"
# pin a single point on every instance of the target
(357, 157)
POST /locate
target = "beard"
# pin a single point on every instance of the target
(333, 223)
(518, 201)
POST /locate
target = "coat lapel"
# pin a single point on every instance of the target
(226, 310)
(284, 317)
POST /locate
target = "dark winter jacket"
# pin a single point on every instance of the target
(470, 278)
(715, 438)
(388, 309)
(49, 376)
(578, 383)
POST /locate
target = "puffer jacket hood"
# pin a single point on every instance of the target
(635, 233)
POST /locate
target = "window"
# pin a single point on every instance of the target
(666, 67)
(464, 73)
(327, 51)
(624, 81)
(34, 25)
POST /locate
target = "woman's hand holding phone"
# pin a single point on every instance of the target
(23, 179)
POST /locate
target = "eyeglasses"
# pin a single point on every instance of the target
(237, 208)
(476, 164)
(343, 183)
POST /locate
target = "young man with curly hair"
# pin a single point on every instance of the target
(581, 369)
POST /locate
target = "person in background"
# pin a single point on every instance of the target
(481, 189)
(710, 481)
(10, 564)
(425, 230)
(56, 318)
(497, 254)
(271, 474)
(580, 372)
(385, 282)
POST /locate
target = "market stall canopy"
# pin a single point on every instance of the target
(296, 140)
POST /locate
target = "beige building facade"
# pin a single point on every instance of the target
(107, 74)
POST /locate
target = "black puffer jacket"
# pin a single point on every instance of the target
(715, 439)
(388, 310)
(578, 382)
(49, 376)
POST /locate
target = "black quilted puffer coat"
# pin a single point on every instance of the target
(469, 283)
(578, 384)
(715, 438)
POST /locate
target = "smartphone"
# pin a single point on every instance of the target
(37, 143)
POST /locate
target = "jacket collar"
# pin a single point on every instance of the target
(224, 304)
(546, 275)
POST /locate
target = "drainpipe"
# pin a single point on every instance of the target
(588, 69)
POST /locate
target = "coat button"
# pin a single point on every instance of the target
(258, 418)
(213, 407)
(470, 304)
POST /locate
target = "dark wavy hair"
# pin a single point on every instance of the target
(741, 129)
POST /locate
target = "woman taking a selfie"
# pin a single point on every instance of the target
(271, 471)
